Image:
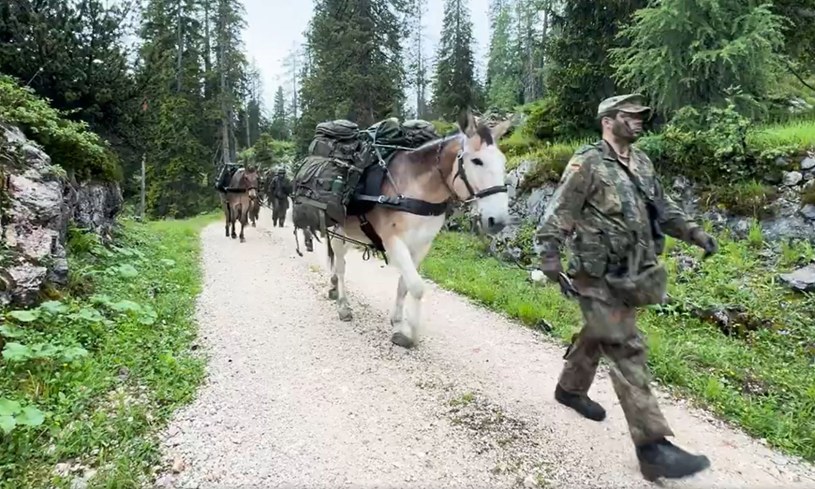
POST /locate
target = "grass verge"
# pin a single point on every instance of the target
(87, 380)
(757, 371)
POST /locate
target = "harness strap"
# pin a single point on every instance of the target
(371, 233)
(407, 204)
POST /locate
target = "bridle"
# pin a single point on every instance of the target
(461, 173)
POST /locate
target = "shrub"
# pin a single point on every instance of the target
(69, 144)
(550, 161)
(749, 198)
(708, 144)
(444, 127)
(518, 144)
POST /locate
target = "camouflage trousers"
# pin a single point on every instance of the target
(279, 208)
(611, 331)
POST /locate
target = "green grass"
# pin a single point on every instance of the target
(799, 135)
(107, 363)
(750, 198)
(758, 374)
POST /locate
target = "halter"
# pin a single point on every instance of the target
(463, 174)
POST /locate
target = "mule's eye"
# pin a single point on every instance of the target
(478, 162)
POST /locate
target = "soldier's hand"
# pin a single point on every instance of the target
(552, 268)
(705, 241)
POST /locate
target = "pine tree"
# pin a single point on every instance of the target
(454, 86)
(177, 132)
(354, 63)
(579, 73)
(718, 45)
(279, 128)
(417, 57)
(504, 85)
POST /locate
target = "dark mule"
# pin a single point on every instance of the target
(241, 194)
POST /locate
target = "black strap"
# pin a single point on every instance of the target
(407, 204)
(370, 232)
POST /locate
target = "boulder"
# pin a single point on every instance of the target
(38, 202)
(801, 280)
(808, 163)
(792, 178)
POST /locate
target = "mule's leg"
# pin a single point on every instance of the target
(398, 313)
(332, 292)
(232, 218)
(338, 271)
(405, 333)
(244, 213)
(226, 219)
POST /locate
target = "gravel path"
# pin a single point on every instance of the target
(297, 398)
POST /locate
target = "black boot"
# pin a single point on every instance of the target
(664, 459)
(580, 403)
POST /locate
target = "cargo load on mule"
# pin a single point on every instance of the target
(227, 171)
(344, 170)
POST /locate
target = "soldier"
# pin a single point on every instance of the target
(610, 198)
(280, 189)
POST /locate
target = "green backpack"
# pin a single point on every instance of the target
(336, 139)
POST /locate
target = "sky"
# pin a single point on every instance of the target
(271, 34)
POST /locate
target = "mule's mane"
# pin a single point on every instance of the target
(435, 145)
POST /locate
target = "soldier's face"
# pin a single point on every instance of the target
(627, 127)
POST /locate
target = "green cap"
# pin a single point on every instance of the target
(632, 103)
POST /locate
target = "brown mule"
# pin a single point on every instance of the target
(241, 194)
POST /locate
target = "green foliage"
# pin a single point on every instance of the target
(708, 144)
(269, 152)
(750, 198)
(796, 137)
(454, 84)
(73, 55)
(760, 366)
(550, 162)
(444, 127)
(716, 46)
(95, 377)
(279, 128)
(580, 73)
(68, 143)
(543, 121)
(504, 68)
(799, 32)
(355, 69)
(518, 144)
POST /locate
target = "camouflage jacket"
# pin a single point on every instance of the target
(608, 213)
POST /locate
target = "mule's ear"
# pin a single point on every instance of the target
(466, 122)
(501, 129)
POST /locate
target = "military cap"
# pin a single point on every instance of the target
(632, 103)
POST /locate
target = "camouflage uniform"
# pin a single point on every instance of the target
(606, 202)
(279, 192)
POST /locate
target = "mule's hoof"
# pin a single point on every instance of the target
(399, 339)
(346, 315)
(243, 240)
(333, 294)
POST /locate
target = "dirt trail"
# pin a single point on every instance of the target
(297, 398)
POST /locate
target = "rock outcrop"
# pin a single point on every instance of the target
(37, 202)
